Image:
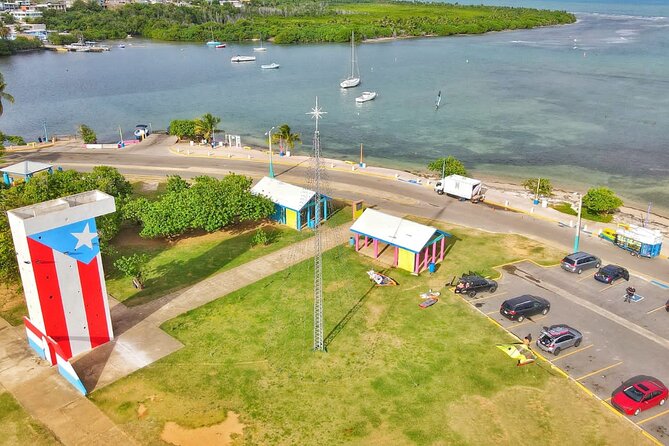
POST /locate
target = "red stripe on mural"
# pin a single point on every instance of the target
(91, 288)
(50, 299)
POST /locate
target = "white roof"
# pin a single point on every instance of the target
(643, 235)
(25, 168)
(393, 230)
(283, 194)
(465, 180)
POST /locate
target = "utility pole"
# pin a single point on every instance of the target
(319, 345)
(46, 135)
(578, 223)
(271, 166)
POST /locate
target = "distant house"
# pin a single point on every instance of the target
(294, 206)
(25, 13)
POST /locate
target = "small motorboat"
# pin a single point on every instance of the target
(239, 58)
(220, 45)
(272, 66)
(430, 294)
(121, 45)
(366, 96)
(428, 302)
(213, 43)
(380, 279)
(141, 131)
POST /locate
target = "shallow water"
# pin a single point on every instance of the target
(583, 104)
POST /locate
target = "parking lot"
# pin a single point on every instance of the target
(620, 340)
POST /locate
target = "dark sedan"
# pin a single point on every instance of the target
(611, 273)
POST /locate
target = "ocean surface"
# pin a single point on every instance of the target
(583, 104)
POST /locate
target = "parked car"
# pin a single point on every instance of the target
(524, 306)
(579, 261)
(611, 273)
(470, 285)
(639, 396)
(556, 338)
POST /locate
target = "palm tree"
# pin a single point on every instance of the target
(3, 95)
(206, 125)
(284, 135)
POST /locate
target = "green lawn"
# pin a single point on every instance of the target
(19, 428)
(175, 265)
(566, 208)
(393, 374)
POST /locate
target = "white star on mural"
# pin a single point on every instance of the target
(85, 238)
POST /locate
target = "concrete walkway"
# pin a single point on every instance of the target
(45, 395)
(139, 339)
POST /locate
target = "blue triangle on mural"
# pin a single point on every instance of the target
(78, 240)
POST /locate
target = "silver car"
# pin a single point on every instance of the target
(577, 262)
(556, 338)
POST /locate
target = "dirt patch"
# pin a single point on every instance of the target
(141, 411)
(219, 434)
(130, 237)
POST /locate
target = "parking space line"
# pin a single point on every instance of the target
(610, 286)
(607, 400)
(526, 321)
(491, 312)
(658, 308)
(477, 299)
(599, 371)
(571, 353)
(654, 416)
(583, 278)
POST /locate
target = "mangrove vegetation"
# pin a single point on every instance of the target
(303, 21)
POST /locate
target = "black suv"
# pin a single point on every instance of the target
(518, 308)
(611, 273)
(470, 285)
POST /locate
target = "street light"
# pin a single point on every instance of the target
(271, 166)
(578, 223)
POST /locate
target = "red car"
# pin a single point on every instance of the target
(640, 396)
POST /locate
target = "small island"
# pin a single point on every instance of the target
(295, 21)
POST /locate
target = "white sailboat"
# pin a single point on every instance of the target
(354, 78)
(260, 48)
(239, 58)
(366, 96)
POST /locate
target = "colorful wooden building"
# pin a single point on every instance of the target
(294, 205)
(415, 246)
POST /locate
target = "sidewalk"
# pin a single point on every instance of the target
(45, 395)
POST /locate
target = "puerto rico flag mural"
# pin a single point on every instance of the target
(58, 251)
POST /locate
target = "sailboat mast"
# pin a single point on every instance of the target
(352, 54)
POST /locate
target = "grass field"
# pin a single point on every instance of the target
(19, 428)
(188, 260)
(393, 374)
(566, 208)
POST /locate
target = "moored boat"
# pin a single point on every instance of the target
(220, 45)
(272, 66)
(366, 96)
(239, 58)
(353, 80)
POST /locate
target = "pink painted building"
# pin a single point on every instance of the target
(415, 246)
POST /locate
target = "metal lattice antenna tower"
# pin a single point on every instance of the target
(316, 113)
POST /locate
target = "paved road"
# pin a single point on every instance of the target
(388, 195)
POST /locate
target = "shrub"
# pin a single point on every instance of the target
(449, 166)
(133, 266)
(601, 200)
(15, 140)
(183, 128)
(87, 134)
(261, 238)
(545, 186)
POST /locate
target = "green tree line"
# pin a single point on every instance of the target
(294, 22)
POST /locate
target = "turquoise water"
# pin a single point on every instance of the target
(584, 104)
